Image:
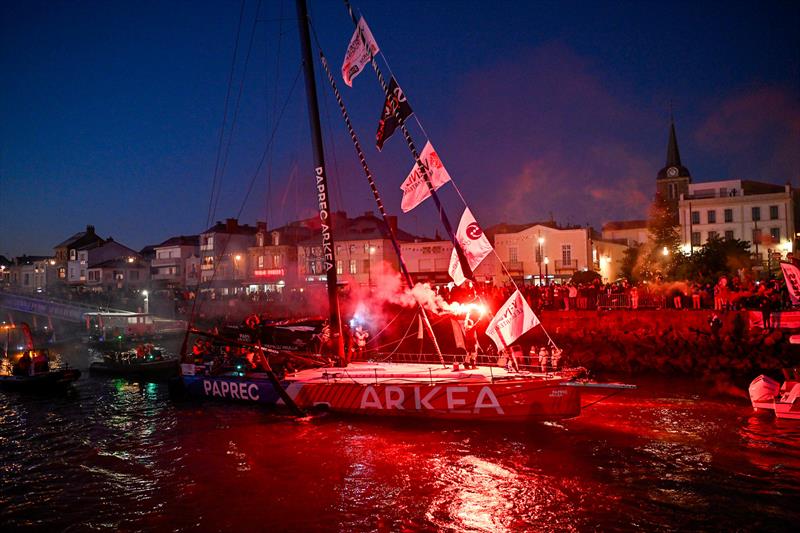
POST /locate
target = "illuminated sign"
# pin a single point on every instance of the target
(269, 272)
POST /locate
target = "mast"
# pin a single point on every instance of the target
(320, 177)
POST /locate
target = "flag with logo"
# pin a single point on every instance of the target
(415, 190)
(792, 276)
(512, 321)
(358, 53)
(396, 103)
(474, 243)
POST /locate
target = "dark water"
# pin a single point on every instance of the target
(118, 456)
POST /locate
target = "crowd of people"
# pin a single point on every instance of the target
(726, 294)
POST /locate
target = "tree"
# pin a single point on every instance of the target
(717, 257)
(657, 259)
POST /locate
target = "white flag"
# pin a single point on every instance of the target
(415, 190)
(792, 276)
(511, 321)
(474, 243)
(357, 54)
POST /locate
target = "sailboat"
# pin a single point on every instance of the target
(424, 389)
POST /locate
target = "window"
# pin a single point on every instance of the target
(775, 234)
(695, 238)
(353, 266)
(756, 213)
(695, 217)
(366, 247)
(756, 236)
(260, 261)
(339, 267)
(673, 191)
(773, 212)
(72, 255)
(729, 235)
(723, 192)
(712, 216)
(134, 274)
(566, 254)
(512, 254)
(276, 260)
(729, 215)
(712, 235)
(365, 265)
(312, 267)
(352, 249)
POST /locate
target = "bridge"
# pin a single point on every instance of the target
(76, 312)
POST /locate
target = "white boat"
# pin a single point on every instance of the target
(782, 399)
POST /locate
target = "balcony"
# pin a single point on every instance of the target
(561, 266)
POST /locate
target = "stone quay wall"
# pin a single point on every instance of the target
(671, 342)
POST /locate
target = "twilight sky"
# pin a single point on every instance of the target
(111, 111)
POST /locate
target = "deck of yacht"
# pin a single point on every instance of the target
(424, 373)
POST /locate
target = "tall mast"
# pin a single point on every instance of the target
(320, 177)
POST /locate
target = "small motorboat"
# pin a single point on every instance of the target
(145, 361)
(782, 399)
(23, 367)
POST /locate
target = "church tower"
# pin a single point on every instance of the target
(674, 179)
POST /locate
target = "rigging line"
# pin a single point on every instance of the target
(211, 202)
(274, 111)
(237, 106)
(269, 143)
(368, 173)
(423, 170)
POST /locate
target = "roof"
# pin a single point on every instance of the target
(673, 158)
(120, 262)
(181, 240)
(624, 224)
(364, 227)
(81, 239)
(232, 227)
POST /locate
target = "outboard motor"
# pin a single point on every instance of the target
(763, 389)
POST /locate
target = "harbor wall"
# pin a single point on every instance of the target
(671, 342)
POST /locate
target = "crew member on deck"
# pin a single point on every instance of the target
(471, 342)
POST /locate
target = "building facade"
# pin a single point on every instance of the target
(762, 214)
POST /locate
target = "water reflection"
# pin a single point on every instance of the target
(121, 455)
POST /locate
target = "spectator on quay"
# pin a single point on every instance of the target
(677, 298)
(634, 297)
(695, 296)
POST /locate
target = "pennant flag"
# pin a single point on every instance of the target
(358, 54)
(792, 275)
(397, 101)
(414, 188)
(512, 321)
(474, 243)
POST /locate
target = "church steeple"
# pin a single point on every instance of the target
(673, 168)
(673, 180)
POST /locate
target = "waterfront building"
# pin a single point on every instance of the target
(272, 263)
(93, 254)
(223, 255)
(363, 251)
(631, 232)
(544, 252)
(763, 214)
(128, 273)
(68, 249)
(32, 274)
(176, 263)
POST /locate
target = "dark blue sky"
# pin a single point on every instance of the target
(110, 112)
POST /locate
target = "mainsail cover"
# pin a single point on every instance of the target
(358, 55)
(512, 321)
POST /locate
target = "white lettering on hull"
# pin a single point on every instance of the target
(455, 397)
(232, 390)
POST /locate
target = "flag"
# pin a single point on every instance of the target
(792, 275)
(414, 188)
(358, 54)
(473, 241)
(458, 333)
(512, 321)
(396, 101)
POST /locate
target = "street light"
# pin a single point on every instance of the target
(539, 258)
(546, 274)
(369, 269)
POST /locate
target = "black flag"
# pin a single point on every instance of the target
(388, 122)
